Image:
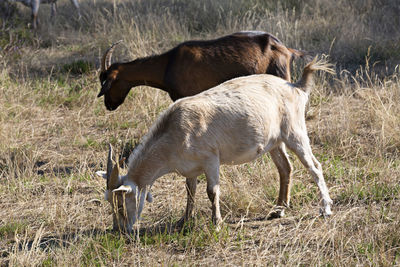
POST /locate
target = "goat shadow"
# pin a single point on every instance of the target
(67, 239)
(169, 228)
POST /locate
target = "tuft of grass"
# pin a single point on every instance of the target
(103, 249)
(48, 262)
(197, 235)
(78, 67)
(10, 229)
(369, 193)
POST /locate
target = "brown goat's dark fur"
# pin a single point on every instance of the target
(195, 66)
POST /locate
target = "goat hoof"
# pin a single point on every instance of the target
(217, 222)
(277, 212)
(325, 212)
(179, 224)
(218, 226)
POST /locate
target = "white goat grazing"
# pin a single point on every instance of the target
(232, 123)
(34, 5)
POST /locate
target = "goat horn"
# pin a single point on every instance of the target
(114, 181)
(109, 161)
(112, 171)
(106, 60)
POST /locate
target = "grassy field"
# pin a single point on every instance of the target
(54, 134)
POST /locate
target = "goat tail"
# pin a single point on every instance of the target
(306, 80)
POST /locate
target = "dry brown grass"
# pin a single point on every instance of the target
(54, 133)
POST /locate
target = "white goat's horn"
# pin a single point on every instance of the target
(114, 181)
(106, 60)
(112, 171)
(110, 164)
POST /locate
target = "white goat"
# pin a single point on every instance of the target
(232, 123)
(34, 5)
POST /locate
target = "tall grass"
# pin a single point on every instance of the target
(54, 133)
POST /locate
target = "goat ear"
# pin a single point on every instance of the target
(121, 161)
(124, 188)
(102, 174)
(149, 197)
(298, 53)
(105, 88)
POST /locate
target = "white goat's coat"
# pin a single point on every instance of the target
(232, 123)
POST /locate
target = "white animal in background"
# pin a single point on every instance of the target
(34, 5)
(232, 123)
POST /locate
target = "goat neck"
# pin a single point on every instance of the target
(145, 71)
(149, 160)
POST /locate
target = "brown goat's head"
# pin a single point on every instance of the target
(109, 79)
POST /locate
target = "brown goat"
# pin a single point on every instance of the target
(195, 66)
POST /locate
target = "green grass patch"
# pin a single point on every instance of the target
(369, 193)
(334, 167)
(271, 192)
(59, 92)
(81, 177)
(104, 249)
(92, 143)
(8, 230)
(303, 195)
(78, 67)
(194, 235)
(48, 262)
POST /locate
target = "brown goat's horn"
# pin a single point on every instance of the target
(106, 60)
